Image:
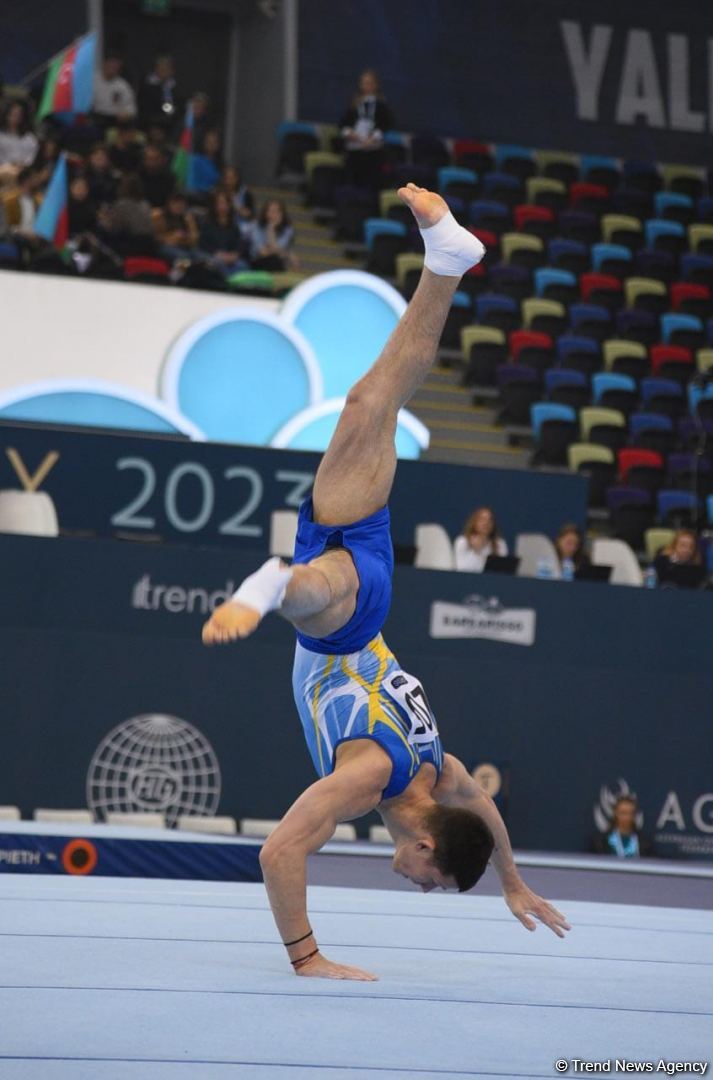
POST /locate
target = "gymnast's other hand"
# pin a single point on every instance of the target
(319, 967)
(230, 621)
(524, 903)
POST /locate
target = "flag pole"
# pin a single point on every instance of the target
(30, 78)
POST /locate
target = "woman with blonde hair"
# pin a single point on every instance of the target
(480, 539)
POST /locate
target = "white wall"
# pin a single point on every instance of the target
(54, 327)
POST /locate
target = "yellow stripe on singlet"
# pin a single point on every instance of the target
(377, 712)
(315, 705)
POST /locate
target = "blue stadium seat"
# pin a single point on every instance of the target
(709, 509)
(607, 380)
(673, 206)
(453, 174)
(643, 421)
(697, 394)
(546, 275)
(514, 281)
(556, 377)
(704, 209)
(503, 187)
(672, 324)
(673, 504)
(668, 235)
(489, 214)
(490, 303)
(641, 174)
(596, 169)
(574, 343)
(374, 227)
(568, 255)
(633, 324)
(605, 254)
(697, 268)
(588, 313)
(654, 388)
(543, 411)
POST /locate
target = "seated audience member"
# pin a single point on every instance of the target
(207, 164)
(569, 545)
(176, 229)
(125, 151)
(682, 551)
(157, 179)
(128, 223)
(363, 126)
(242, 199)
(157, 100)
(623, 838)
(18, 143)
(26, 202)
(81, 208)
(101, 177)
(220, 237)
(202, 119)
(480, 538)
(45, 160)
(271, 238)
(113, 97)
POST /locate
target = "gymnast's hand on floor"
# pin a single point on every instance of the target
(229, 622)
(322, 968)
(524, 903)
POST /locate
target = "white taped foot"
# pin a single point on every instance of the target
(265, 590)
(450, 249)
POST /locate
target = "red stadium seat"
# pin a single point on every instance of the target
(666, 354)
(137, 265)
(525, 214)
(631, 457)
(584, 192)
(684, 290)
(593, 282)
(528, 339)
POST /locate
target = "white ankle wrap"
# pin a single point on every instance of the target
(265, 590)
(450, 249)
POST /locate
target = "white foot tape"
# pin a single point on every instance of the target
(450, 249)
(265, 590)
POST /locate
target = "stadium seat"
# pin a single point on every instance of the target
(662, 235)
(660, 265)
(697, 268)
(409, 265)
(519, 389)
(709, 509)
(28, 513)
(614, 391)
(643, 175)
(590, 320)
(554, 428)
(578, 225)
(434, 550)
(580, 353)
(600, 170)
(652, 431)
(489, 214)
(686, 330)
(631, 514)
(533, 549)
(633, 457)
(569, 255)
(607, 427)
(655, 539)
(504, 188)
(9, 255)
(663, 396)
(385, 240)
(547, 316)
(673, 206)
(611, 259)
(430, 151)
(646, 293)
(566, 387)
(672, 362)
(626, 357)
(704, 361)
(455, 181)
(700, 239)
(483, 348)
(352, 208)
(633, 324)
(543, 191)
(471, 154)
(590, 198)
(64, 817)
(458, 318)
(10, 813)
(677, 509)
(632, 203)
(519, 161)
(533, 348)
(689, 470)
(535, 220)
(324, 174)
(148, 271)
(512, 281)
(557, 165)
(500, 311)
(295, 139)
(552, 284)
(144, 819)
(198, 823)
(685, 179)
(521, 249)
(597, 464)
(690, 299)
(602, 289)
(622, 230)
(618, 555)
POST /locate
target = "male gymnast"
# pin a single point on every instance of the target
(368, 725)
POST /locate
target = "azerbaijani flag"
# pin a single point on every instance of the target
(182, 164)
(52, 220)
(70, 80)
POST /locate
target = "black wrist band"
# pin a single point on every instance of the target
(300, 963)
(304, 937)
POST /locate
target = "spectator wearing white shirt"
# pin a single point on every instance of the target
(479, 540)
(113, 97)
(18, 143)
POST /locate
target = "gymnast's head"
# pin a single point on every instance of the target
(450, 850)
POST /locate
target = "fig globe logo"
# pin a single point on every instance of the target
(154, 763)
(604, 809)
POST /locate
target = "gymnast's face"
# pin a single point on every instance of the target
(414, 860)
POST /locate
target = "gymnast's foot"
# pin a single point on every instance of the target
(229, 622)
(450, 249)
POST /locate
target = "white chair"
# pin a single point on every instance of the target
(434, 550)
(147, 820)
(68, 817)
(223, 826)
(31, 513)
(10, 813)
(379, 834)
(257, 827)
(533, 548)
(344, 832)
(618, 555)
(283, 532)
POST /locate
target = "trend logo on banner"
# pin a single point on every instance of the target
(154, 763)
(604, 809)
(481, 617)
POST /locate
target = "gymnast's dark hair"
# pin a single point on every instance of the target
(464, 844)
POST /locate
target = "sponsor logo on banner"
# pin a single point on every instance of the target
(604, 809)
(154, 763)
(147, 595)
(483, 617)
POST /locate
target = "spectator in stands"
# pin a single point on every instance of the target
(158, 104)
(18, 143)
(125, 153)
(271, 238)
(363, 126)
(682, 551)
(242, 199)
(176, 229)
(128, 223)
(101, 177)
(220, 237)
(623, 839)
(113, 97)
(569, 545)
(156, 178)
(82, 210)
(45, 160)
(200, 103)
(26, 207)
(207, 164)
(480, 538)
